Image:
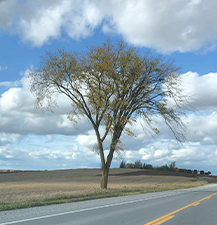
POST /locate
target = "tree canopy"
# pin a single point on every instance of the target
(112, 85)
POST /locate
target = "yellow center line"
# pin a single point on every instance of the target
(169, 216)
(164, 220)
(196, 203)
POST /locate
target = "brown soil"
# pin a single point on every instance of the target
(39, 185)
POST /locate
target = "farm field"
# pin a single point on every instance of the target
(32, 188)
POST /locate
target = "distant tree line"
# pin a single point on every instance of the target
(171, 167)
(139, 165)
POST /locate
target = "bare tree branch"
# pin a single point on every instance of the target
(113, 85)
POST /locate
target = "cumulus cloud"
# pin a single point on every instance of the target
(160, 153)
(6, 138)
(52, 137)
(202, 89)
(165, 25)
(203, 129)
(39, 21)
(168, 25)
(19, 115)
(56, 155)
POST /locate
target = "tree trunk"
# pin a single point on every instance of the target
(104, 178)
(106, 166)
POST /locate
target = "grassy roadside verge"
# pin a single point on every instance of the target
(97, 194)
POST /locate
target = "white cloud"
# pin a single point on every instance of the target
(19, 115)
(43, 25)
(168, 25)
(19, 119)
(86, 17)
(87, 141)
(56, 155)
(202, 89)
(146, 154)
(39, 21)
(10, 84)
(203, 128)
(6, 139)
(183, 153)
(160, 153)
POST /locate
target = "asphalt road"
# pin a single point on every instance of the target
(181, 207)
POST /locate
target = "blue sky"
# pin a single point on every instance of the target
(182, 30)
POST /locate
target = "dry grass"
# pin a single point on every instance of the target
(23, 187)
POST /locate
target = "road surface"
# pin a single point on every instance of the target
(181, 207)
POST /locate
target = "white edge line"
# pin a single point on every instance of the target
(71, 212)
(88, 209)
(76, 211)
